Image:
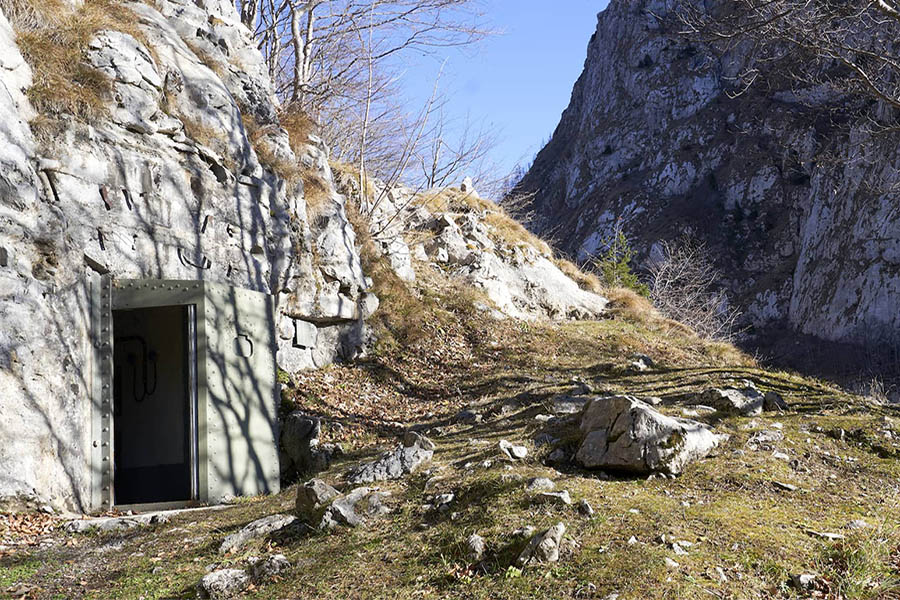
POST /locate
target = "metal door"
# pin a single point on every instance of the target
(241, 433)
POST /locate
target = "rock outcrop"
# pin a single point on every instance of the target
(796, 208)
(415, 451)
(622, 433)
(471, 238)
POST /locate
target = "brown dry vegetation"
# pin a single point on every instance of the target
(53, 39)
(299, 126)
(504, 228)
(585, 280)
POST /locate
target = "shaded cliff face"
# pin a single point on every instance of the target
(796, 201)
(165, 184)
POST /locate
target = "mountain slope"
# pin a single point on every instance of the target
(793, 197)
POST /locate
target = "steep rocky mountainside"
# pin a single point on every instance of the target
(793, 196)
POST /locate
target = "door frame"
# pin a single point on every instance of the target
(108, 295)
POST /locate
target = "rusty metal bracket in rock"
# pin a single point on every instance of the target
(205, 263)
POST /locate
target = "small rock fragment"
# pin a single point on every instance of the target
(224, 583)
(255, 530)
(561, 498)
(585, 508)
(803, 581)
(476, 546)
(543, 547)
(313, 498)
(266, 569)
(467, 417)
(788, 487)
(513, 451)
(540, 484)
(671, 564)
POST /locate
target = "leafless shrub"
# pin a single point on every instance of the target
(682, 288)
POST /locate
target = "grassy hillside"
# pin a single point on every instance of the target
(747, 535)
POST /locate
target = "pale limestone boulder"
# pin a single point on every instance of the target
(622, 433)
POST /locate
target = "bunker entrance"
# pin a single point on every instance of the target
(154, 404)
(184, 401)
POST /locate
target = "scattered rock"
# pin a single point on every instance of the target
(266, 569)
(255, 530)
(558, 456)
(803, 581)
(719, 575)
(585, 508)
(539, 484)
(513, 451)
(773, 402)
(523, 532)
(543, 547)
(313, 497)
(788, 487)
(415, 451)
(442, 502)
(626, 434)
(467, 417)
(857, 524)
(765, 439)
(831, 537)
(747, 402)
(224, 583)
(297, 434)
(679, 549)
(476, 547)
(638, 363)
(342, 511)
(559, 498)
(671, 564)
(108, 524)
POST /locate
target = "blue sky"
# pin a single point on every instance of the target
(518, 81)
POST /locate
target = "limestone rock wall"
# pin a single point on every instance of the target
(517, 274)
(168, 186)
(795, 200)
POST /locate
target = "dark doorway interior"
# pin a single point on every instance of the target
(152, 405)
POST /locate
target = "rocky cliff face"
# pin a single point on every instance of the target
(166, 186)
(796, 201)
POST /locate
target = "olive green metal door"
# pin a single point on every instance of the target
(241, 433)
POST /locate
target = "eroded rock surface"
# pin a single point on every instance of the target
(166, 185)
(415, 451)
(622, 433)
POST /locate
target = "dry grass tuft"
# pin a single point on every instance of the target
(316, 192)
(299, 126)
(627, 304)
(53, 39)
(585, 280)
(504, 229)
(401, 313)
(258, 135)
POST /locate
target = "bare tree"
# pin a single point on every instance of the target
(682, 288)
(337, 61)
